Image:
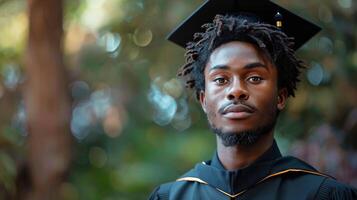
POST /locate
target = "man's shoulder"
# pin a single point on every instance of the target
(314, 186)
(333, 189)
(162, 191)
(304, 177)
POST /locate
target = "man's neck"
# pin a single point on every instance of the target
(237, 157)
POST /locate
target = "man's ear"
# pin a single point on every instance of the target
(203, 100)
(282, 98)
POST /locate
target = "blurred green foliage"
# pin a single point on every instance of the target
(134, 125)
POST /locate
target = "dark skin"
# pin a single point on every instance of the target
(241, 93)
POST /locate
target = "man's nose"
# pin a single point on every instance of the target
(237, 91)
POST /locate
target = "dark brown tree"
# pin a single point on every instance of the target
(47, 100)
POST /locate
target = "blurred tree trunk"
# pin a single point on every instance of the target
(47, 100)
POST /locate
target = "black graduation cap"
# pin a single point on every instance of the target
(265, 10)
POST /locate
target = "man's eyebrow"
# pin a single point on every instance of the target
(224, 67)
(255, 65)
(248, 66)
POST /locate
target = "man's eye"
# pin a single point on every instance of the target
(255, 79)
(220, 81)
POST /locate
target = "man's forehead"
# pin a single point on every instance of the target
(236, 51)
(235, 47)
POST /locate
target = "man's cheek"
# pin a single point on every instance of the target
(211, 114)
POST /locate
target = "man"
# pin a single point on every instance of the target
(243, 67)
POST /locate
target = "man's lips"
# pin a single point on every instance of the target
(237, 111)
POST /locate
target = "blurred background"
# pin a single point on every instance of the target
(131, 125)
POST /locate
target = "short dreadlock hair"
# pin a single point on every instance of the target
(275, 43)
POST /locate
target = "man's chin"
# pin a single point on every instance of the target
(244, 138)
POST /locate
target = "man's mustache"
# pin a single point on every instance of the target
(222, 109)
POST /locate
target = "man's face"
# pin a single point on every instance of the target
(241, 93)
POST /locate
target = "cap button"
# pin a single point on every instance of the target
(279, 20)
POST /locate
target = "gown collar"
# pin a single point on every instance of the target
(236, 181)
(272, 153)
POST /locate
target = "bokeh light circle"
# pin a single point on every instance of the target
(142, 37)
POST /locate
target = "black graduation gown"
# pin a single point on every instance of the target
(270, 177)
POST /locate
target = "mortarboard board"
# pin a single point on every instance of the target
(266, 11)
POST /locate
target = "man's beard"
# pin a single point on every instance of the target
(246, 137)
